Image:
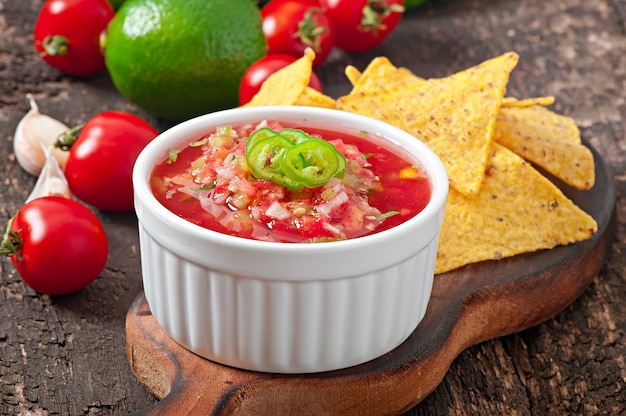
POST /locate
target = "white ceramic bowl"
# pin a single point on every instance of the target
(287, 308)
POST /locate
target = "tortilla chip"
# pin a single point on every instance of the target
(381, 73)
(527, 102)
(549, 140)
(286, 86)
(352, 74)
(314, 98)
(455, 116)
(539, 119)
(516, 211)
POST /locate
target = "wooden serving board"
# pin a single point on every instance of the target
(469, 305)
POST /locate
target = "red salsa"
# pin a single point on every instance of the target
(250, 191)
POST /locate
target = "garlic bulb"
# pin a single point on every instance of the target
(34, 133)
(51, 181)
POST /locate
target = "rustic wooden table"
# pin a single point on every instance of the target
(66, 355)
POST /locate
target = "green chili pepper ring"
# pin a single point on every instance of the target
(264, 160)
(258, 135)
(321, 162)
(293, 159)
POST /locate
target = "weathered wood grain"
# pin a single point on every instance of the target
(65, 356)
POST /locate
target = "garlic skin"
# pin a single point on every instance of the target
(34, 133)
(51, 181)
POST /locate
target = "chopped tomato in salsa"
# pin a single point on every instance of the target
(210, 184)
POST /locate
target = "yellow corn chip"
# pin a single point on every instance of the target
(381, 73)
(517, 210)
(352, 74)
(538, 119)
(549, 140)
(314, 98)
(527, 102)
(455, 116)
(285, 86)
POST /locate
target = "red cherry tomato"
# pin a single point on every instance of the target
(258, 72)
(291, 26)
(57, 245)
(100, 164)
(67, 34)
(361, 25)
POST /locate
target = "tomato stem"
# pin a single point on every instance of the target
(54, 45)
(67, 139)
(308, 30)
(374, 12)
(11, 242)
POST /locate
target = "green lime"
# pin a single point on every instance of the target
(181, 58)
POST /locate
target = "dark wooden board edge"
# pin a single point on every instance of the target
(469, 305)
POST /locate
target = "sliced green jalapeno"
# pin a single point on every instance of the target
(256, 136)
(295, 135)
(293, 158)
(313, 162)
(264, 160)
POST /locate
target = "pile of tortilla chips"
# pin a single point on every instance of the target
(499, 204)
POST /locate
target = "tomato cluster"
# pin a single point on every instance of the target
(57, 244)
(291, 26)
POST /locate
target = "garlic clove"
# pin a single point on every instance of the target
(51, 181)
(35, 132)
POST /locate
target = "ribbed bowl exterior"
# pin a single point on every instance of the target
(280, 307)
(286, 326)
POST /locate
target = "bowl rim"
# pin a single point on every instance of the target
(180, 134)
